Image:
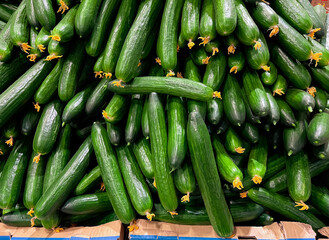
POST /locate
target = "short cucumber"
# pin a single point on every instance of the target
(236, 62)
(200, 56)
(117, 108)
(19, 218)
(45, 13)
(213, 46)
(11, 132)
(251, 117)
(317, 131)
(185, 180)
(190, 21)
(89, 181)
(269, 77)
(258, 160)
(142, 152)
(320, 100)
(300, 100)
(42, 40)
(280, 86)
(98, 97)
(287, 116)
(215, 111)
(57, 49)
(115, 132)
(215, 72)
(250, 132)
(226, 16)
(133, 125)
(233, 143)
(274, 115)
(207, 22)
(29, 122)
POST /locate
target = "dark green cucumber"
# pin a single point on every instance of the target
(251, 117)
(86, 17)
(31, 16)
(300, 100)
(190, 21)
(168, 35)
(6, 10)
(258, 160)
(226, 16)
(181, 43)
(42, 39)
(34, 52)
(264, 220)
(319, 48)
(6, 46)
(255, 93)
(250, 132)
(320, 199)
(226, 165)
(19, 218)
(317, 131)
(234, 107)
(320, 100)
(11, 131)
(71, 69)
(115, 132)
(133, 125)
(45, 13)
(274, 115)
(87, 204)
(320, 76)
(215, 111)
(142, 152)
(14, 97)
(12, 175)
(185, 181)
(233, 143)
(89, 181)
(287, 116)
(59, 190)
(100, 30)
(236, 62)
(213, 47)
(57, 49)
(205, 170)
(266, 17)
(276, 137)
(232, 42)
(207, 22)
(34, 182)
(48, 128)
(283, 206)
(117, 108)
(76, 106)
(280, 86)
(177, 143)
(150, 44)
(111, 174)
(51, 221)
(97, 98)
(135, 40)
(200, 56)
(269, 77)
(215, 72)
(322, 151)
(158, 136)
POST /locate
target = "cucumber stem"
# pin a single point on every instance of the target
(107, 75)
(55, 38)
(186, 198)
(322, 156)
(278, 91)
(311, 91)
(158, 61)
(10, 141)
(170, 73)
(117, 83)
(63, 7)
(25, 47)
(36, 159)
(53, 56)
(173, 213)
(244, 194)
(257, 179)
(231, 49)
(239, 150)
(190, 44)
(41, 48)
(105, 115)
(214, 51)
(237, 183)
(257, 45)
(313, 31)
(32, 57)
(234, 69)
(217, 94)
(266, 68)
(30, 212)
(205, 40)
(99, 74)
(274, 30)
(37, 107)
(206, 60)
(316, 57)
(302, 205)
(150, 216)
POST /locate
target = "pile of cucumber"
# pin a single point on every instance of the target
(182, 111)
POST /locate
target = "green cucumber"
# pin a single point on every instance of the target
(31, 16)
(6, 46)
(97, 98)
(42, 39)
(6, 10)
(117, 108)
(207, 22)
(300, 100)
(274, 115)
(11, 131)
(319, 48)
(321, 152)
(200, 56)
(320, 199)
(51, 221)
(115, 133)
(59, 190)
(232, 42)
(19, 218)
(250, 132)
(280, 86)
(234, 107)
(12, 175)
(226, 16)
(181, 43)
(34, 52)
(190, 21)
(87, 204)
(233, 143)
(264, 220)
(98, 68)
(48, 128)
(29, 122)
(185, 181)
(215, 111)
(287, 116)
(86, 16)
(269, 77)
(258, 160)
(321, 11)
(150, 44)
(158, 137)
(100, 30)
(45, 13)
(251, 117)
(275, 137)
(320, 100)
(320, 76)
(111, 174)
(236, 62)
(89, 181)
(177, 143)
(133, 125)
(213, 46)
(57, 49)
(317, 131)
(215, 72)
(142, 152)
(205, 170)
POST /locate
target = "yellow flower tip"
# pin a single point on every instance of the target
(266, 68)
(206, 60)
(180, 75)
(311, 91)
(99, 74)
(30, 212)
(55, 38)
(102, 187)
(58, 229)
(170, 73)
(217, 94)
(37, 107)
(25, 47)
(52, 57)
(1, 152)
(190, 44)
(244, 194)
(150, 216)
(313, 31)
(154, 184)
(139, 64)
(158, 61)
(278, 91)
(186, 198)
(231, 49)
(36, 159)
(257, 45)
(240, 150)
(32, 57)
(302, 205)
(274, 30)
(63, 7)
(32, 221)
(105, 115)
(237, 183)
(117, 83)
(10, 142)
(173, 213)
(177, 48)
(316, 57)
(107, 75)
(205, 40)
(133, 227)
(41, 48)
(234, 69)
(214, 51)
(257, 179)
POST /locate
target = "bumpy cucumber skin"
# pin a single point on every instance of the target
(190, 19)
(89, 181)
(45, 13)
(300, 100)
(320, 76)
(98, 97)
(31, 16)
(133, 125)
(20, 30)
(29, 122)
(258, 159)
(226, 16)
(184, 179)
(117, 108)
(215, 111)
(264, 15)
(208, 20)
(215, 72)
(318, 131)
(257, 59)
(142, 151)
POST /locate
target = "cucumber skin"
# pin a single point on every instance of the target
(208, 20)
(287, 116)
(117, 108)
(320, 100)
(108, 164)
(257, 163)
(45, 14)
(250, 132)
(237, 60)
(31, 17)
(190, 19)
(215, 72)
(294, 139)
(299, 99)
(205, 169)
(142, 152)
(260, 57)
(317, 131)
(320, 76)
(145, 119)
(269, 78)
(19, 218)
(89, 181)
(264, 15)
(29, 122)
(98, 97)
(184, 179)
(133, 125)
(274, 115)
(115, 133)
(226, 16)
(320, 199)
(158, 138)
(20, 30)
(215, 111)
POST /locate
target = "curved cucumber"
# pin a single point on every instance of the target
(233, 143)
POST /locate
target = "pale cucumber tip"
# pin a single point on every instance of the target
(147, 137)
(290, 153)
(275, 147)
(219, 132)
(80, 36)
(310, 109)
(63, 124)
(274, 123)
(239, 124)
(293, 124)
(321, 156)
(128, 144)
(258, 121)
(172, 170)
(316, 142)
(320, 110)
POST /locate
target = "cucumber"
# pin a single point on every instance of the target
(111, 174)
(291, 69)
(258, 160)
(207, 22)
(142, 152)
(251, 117)
(87, 204)
(4, 148)
(255, 93)
(280, 86)
(322, 13)
(185, 181)
(320, 76)
(177, 143)
(22, 90)
(42, 40)
(287, 116)
(320, 100)
(236, 62)
(45, 13)
(47, 130)
(29, 122)
(213, 47)
(299, 179)
(97, 98)
(19, 218)
(151, 43)
(71, 69)
(6, 10)
(275, 137)
(232, 42)
(11, 131)
(205, 170)
(135, 40)
(158, 137)
(89, 181)
(226, 166)
(320, 198)
(250, 132)
(269, 77)
(167, 40)
(233, 143)
(133, 125)
(64, 5)
(200, 56)
(274, 115)
(317, 131)
(264, 220)
(283, 206)
(266, 17)
(115, 133)
(59, 190)
(190, 21)
(319, 48)
(179, 87)
(226, 16)
(123, 21)
(300, 100)
(51, 221)
(117, 108)
(100, 30)
(86, 16)
(34, 52)
(56, 49)
(215, 111)
(322, 152)
(98, 68)
(215, 73)
(234, 107)
(6, 46)
(34, 183)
